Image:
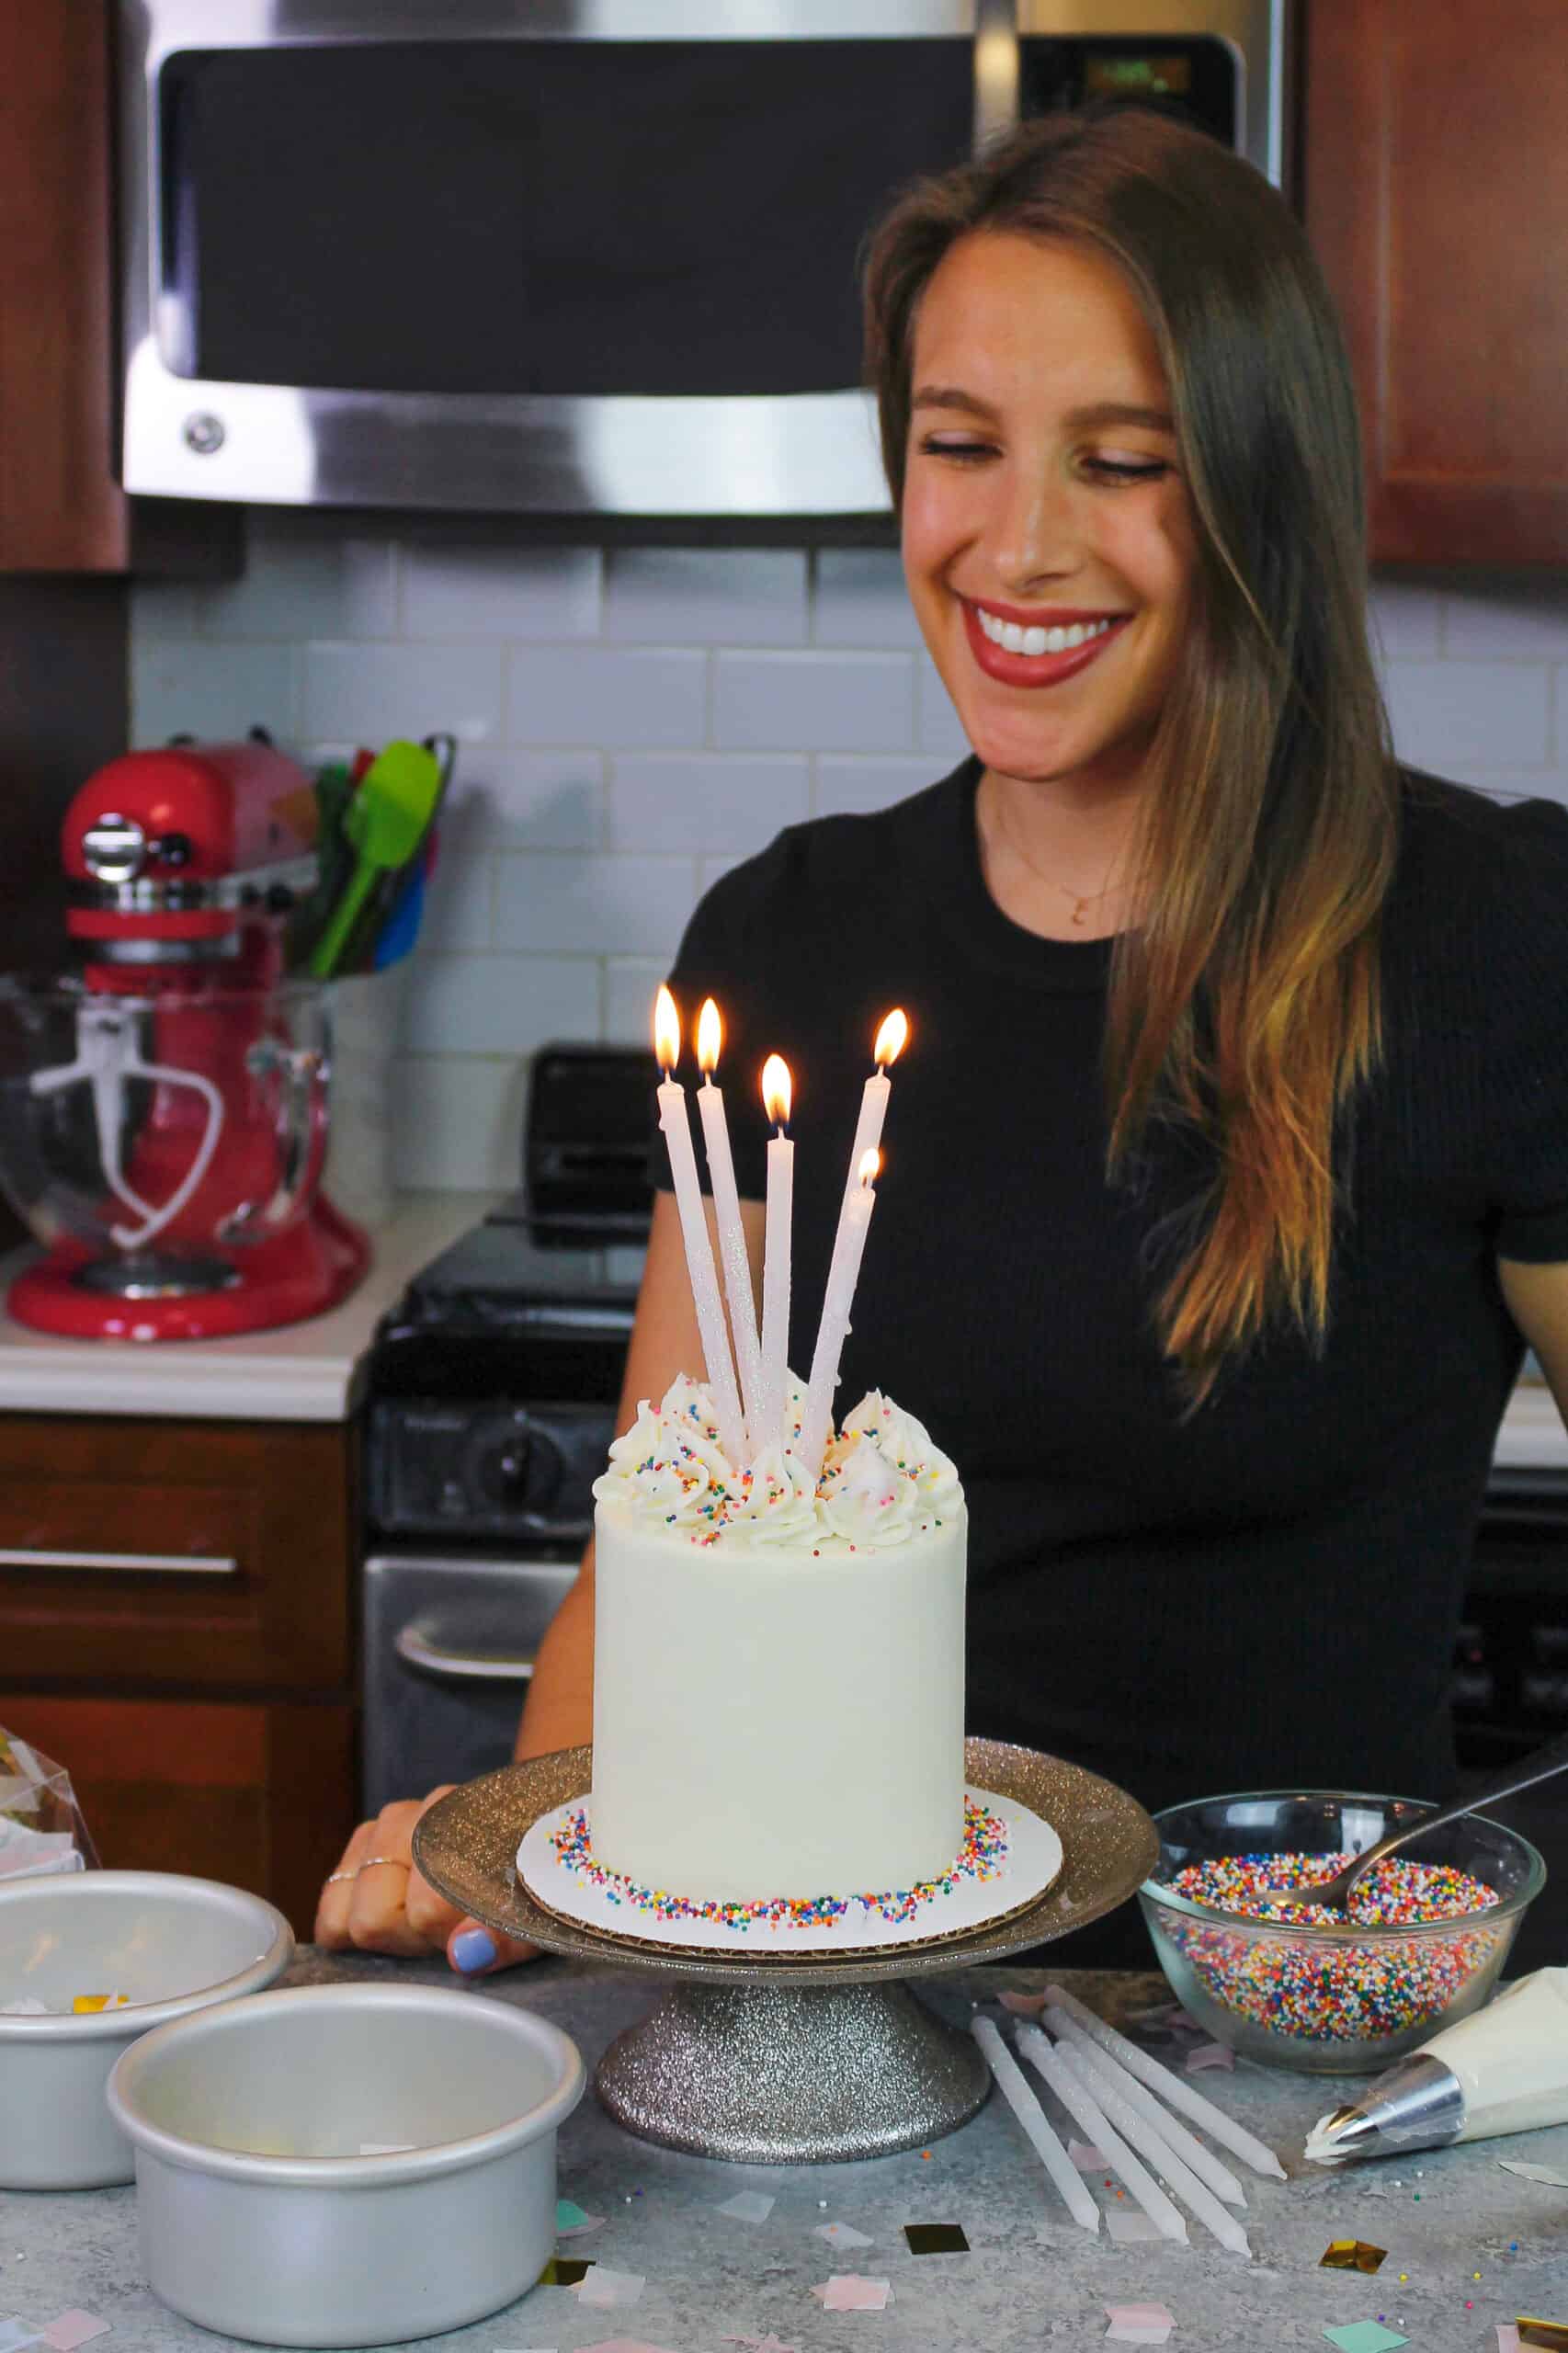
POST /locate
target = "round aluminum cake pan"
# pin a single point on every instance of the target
(171, 1945)
(264, 2211)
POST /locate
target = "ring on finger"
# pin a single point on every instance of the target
(374, 1862)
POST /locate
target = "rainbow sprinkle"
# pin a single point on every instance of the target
(1308, 1987)
(983, 1856)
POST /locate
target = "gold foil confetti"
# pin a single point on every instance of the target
(936, 2238)
(1352, 2254)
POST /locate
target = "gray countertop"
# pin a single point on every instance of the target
(1032, 2278)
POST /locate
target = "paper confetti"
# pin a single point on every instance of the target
(1552, 2174)
(605, 2288)
(1139, 2323)
(1023, 2006)
(840, 2235)
(1087, 2157)
(1128, 2223)
(936, 2238)
(561, 2271)
(15, 2333)
(748, 2206)
(1364, 2336)
(1507, 2337)
(1208, 2055)
(847, 2291)
(568, 2216)
(1352, 2254)
(68, 2330)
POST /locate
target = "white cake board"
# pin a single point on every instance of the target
(1033, 1861)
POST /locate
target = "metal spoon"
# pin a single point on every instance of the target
(1538, 1766)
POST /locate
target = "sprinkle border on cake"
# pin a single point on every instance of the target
(981, 1856)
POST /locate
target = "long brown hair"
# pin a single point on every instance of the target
(1247, 1008)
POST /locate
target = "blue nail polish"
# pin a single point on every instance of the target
(473, 1950)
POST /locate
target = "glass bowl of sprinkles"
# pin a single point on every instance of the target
(1282, 1980)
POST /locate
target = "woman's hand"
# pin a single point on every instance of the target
(375, 1901)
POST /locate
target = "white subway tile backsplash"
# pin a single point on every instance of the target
(457, 1122)
(500, 1005)
(820, 701)
(939, 730)
(370, 692)
(591, 694)
(453, 590)
(704, 800)
(860, 599)
(1469, 712)
(1505, 619)
(306, 576)
(1405, 616)
(706, 596)
(187, 687)
(557, 903)
(634, 723)
(849, 787)
(631, 984)
(513, 800)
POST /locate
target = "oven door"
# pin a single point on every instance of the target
(449, 1645)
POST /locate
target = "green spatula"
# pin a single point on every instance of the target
(384, 823)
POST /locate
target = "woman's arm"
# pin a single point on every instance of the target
(558, 1713)
(1537, 1301)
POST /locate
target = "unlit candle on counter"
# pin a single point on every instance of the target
(1086, 2111)
(1213, 2121)
(1015, 2090)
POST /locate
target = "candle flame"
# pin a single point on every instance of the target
(870, 1163)
(891, 1039)
(778, 1089)
(667, 1031)
(710, 1038)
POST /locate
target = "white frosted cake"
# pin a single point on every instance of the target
(778, 1668)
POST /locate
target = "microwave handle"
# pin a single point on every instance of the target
(414, 1644)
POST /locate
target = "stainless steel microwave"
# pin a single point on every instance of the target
(571, 257)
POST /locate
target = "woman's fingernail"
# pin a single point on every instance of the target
(473, 1950)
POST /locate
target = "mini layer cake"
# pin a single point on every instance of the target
(778, 1669)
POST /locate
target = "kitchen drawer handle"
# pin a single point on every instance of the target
(413, 1644)
(203, 1564)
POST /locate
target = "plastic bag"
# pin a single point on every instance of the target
(42, 1827)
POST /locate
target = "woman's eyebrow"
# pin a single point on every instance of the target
(952, 396)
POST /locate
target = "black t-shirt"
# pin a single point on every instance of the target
(1264, 1592)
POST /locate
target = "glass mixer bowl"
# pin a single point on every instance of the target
(154, 1136)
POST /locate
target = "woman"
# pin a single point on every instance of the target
(1228, 1159)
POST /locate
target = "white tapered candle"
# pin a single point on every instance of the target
(1010, 2081)
(1086, 2111)
(892, 1038)
(777, 1096)
(1145, 2134)
(727, 1214)
(676, 1125)
(1174, 2088)
(1100, 2065)
(842, 1273)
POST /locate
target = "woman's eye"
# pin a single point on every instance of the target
(964, 450)
(1125, 470)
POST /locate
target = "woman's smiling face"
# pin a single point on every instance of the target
(1048, 539)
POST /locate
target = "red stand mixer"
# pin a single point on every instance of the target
(163, 1117)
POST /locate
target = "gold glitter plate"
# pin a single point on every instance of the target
(466, 1846)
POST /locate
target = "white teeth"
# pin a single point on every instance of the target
(1014, 638)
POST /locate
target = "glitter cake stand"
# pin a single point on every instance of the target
(766, 2058)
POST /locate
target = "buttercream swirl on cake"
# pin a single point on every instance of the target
(883, 1479)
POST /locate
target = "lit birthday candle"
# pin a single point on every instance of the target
(777, 1093)
(891, 1039)
(700, 1270)
(727, 1209)
(844, 1269)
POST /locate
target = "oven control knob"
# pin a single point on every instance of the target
(512, 1466)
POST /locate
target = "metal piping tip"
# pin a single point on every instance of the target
(1417, 2104)
(1349, 2132)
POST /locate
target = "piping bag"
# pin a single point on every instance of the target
(1503, 2070)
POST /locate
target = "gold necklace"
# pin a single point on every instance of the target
(1081, 898)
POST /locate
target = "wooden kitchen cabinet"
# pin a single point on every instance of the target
(176, 1628)
(1434, 184)
(61, 508)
